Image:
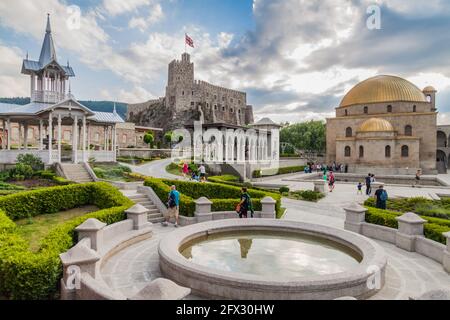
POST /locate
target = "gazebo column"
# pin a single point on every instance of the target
(75, 140)
(59, 138)
(9, 133)
(3, 134)
(50, 137)
(115, 143)
(105, 139)
(89, 138)
(84, 138)
(41, 131)
(19, 142)
(25, 136)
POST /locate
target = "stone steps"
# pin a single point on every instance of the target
(154, 215)
(77, 173)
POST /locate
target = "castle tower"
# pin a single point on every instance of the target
(430, 93)
(180, 85)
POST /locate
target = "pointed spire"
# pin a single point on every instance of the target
(48, 29)
(48, 52)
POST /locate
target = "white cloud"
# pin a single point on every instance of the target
(12, 82)
(117, 7)
(156, 14)
(137, 95)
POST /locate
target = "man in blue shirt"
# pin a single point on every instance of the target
(173, 207)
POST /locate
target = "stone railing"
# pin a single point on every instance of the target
(203, 210)
(82, 264)
(409, 235)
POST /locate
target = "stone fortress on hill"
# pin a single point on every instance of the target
(188, 100)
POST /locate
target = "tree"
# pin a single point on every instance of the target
(306, 136)
(149, 139)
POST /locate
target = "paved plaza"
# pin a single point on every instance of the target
(407, 274)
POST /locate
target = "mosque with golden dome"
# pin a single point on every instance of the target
(386, 125)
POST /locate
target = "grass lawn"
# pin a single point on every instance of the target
(174, 169)
(34, 229)
(112, 172)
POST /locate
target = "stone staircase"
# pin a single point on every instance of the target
(76, 173)
(154, 216)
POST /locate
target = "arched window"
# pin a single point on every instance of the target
(366, 110)
(389, 108)
(348, 151)
(387, 151)
(428, 98)
(414, 108)
(361, 152)
(405, 151)
(408, 131)
(348, 132)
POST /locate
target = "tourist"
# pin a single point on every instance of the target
(245, 205)
(202, 173)
(331, 181)
(381, 197)
(368, 184)
(185, 169)
(418, 174)
(360, 188)
(173, 207)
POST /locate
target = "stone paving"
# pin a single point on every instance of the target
(407, 274)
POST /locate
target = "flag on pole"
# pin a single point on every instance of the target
(189, 41)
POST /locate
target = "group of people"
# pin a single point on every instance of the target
(244, 207)
(381, 195)
(194, 175)
(318, 167)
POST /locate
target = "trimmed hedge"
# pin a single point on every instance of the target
(433, 229)
(28, 275)
(285, 170)
(223, 197)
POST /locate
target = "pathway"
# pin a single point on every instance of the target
(156, 168)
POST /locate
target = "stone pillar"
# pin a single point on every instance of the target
(446, 260)
(268, 208)
(355, 215)
(203, 209)
(77, 260)
(59, 138)
(41, 131)
(19, 141)
(50, 137)
(8, 122)
(84, 139)
(410, 226)
(3, 134)
(25, 136)
(75, 139)
(320, 186)
(92, 229)
(139, 214)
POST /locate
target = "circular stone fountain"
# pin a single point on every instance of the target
(272, 259)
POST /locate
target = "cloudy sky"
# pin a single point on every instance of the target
(294, 58)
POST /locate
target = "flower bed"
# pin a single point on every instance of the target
(28, 275)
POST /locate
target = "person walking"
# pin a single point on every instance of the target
(173, 207)
(381, 197)
(418, 174)
(245, 205)
(360, 188)
(185, 169)
(331, 181)
(368, 184)
(202, 170)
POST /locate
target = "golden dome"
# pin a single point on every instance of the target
(429, 89)
(376, 125)
(381, 89)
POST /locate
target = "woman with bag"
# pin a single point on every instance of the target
(245, 205)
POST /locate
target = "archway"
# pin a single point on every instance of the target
(441, 162)
(441, 139)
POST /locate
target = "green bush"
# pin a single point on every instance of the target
(307, 195)
(224, 197)
(284, 190)
(272, 172)
(8, 186)
(29, 159)
(28, 275)
(21, 171)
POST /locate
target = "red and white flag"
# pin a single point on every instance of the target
(189, 41)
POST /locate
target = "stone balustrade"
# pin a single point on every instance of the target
(409, 236)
